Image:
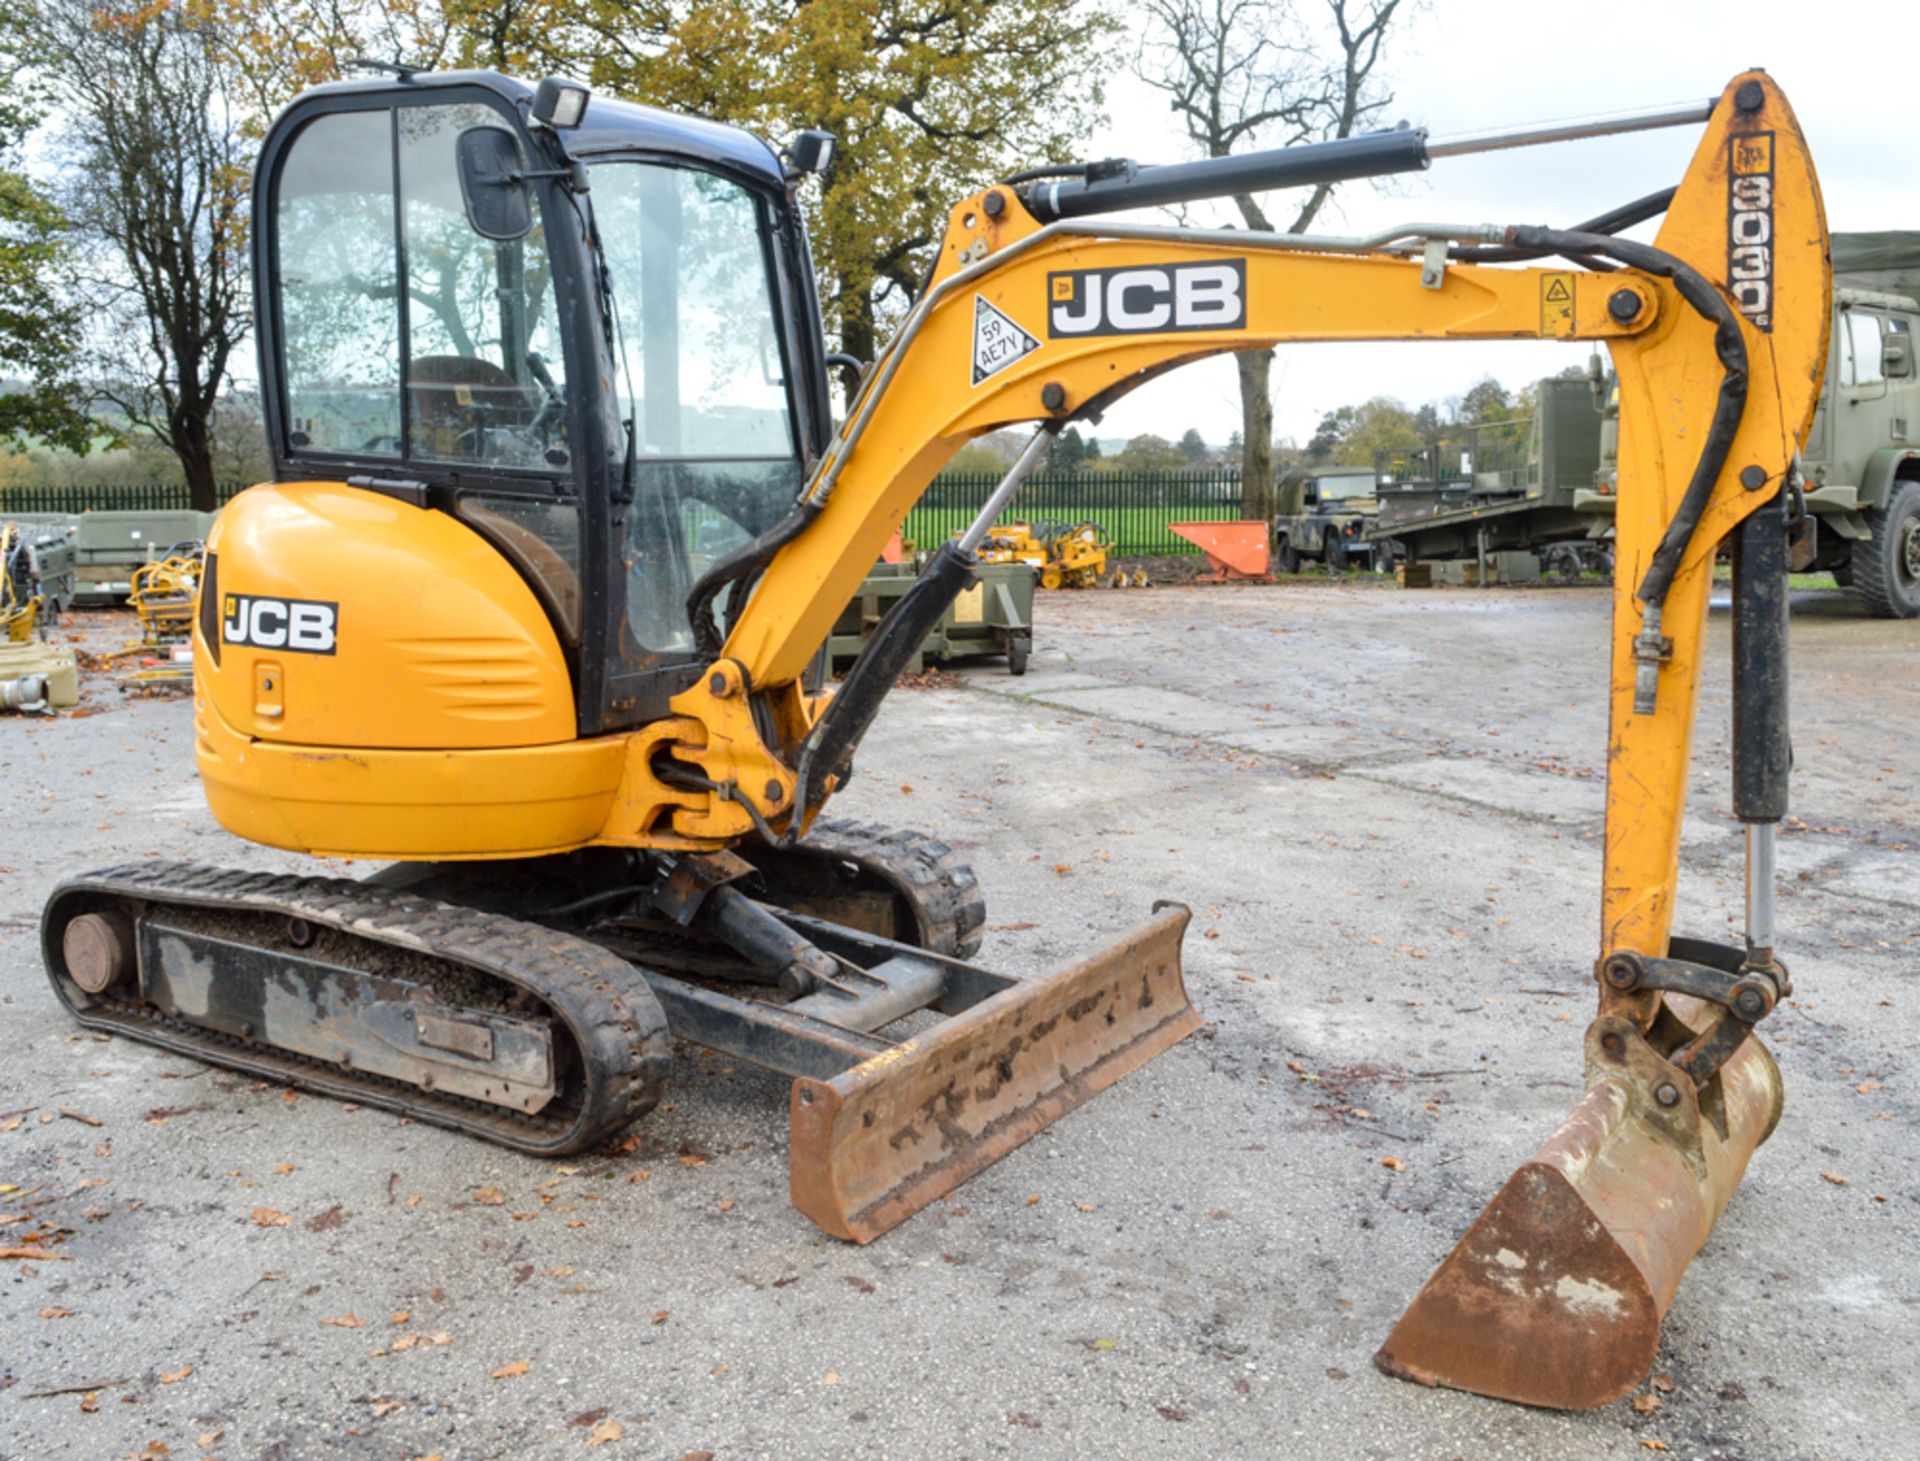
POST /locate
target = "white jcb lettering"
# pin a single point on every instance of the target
(307, 625)
(1206, 296)
(1144, 301)
(267, 624)
(1139, 299)
(310, 628)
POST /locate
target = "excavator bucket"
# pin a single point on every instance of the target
(878, 1142)
(1554, 1297)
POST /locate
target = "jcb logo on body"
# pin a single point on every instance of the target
(1148, 301)
(305, 626)
(1750, 227)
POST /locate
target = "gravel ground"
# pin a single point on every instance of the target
(1384, 809)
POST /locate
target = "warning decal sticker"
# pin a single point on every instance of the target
(997, 340)
(1556, 306)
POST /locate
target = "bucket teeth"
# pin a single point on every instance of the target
(1554, 1297)
(877, 1143)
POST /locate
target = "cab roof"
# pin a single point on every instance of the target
(609, 125)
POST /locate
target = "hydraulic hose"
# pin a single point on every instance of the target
(1729, 407)
(750, 557)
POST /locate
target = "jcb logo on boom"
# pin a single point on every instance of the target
(1750, 227)
(306, 626)
(1148, 301)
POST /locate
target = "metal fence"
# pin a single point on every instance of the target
(1133, 507)
(108, 497)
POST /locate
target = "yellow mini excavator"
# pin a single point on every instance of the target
(560, 520)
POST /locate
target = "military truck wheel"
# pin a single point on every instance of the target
(1336, 554)
(1289, 556)
(1383, 557)
(1886, 568)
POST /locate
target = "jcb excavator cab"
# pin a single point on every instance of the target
(584, 328)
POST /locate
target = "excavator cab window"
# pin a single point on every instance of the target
(702, 380)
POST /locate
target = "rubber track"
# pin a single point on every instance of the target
(943, 892)
(601, 1002)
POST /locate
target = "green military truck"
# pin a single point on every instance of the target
(1512, 488)
(1860, 465)
(1341, 505)
(1861, 461)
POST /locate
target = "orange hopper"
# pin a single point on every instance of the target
(1236, 551)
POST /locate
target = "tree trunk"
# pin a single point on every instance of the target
(193, 444)
(1256, 434)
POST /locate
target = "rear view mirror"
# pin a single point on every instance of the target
(1896, 357)
(493, 183)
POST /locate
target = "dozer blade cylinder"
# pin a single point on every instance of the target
(1554, 1297)
(879, 1142)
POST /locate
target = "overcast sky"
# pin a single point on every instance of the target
(1466, 65)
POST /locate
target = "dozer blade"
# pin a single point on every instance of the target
(877, 1143)
(1554, 1297)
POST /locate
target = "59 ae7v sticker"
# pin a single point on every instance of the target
(305, 626)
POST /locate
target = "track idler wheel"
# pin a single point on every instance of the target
(1554, 1297)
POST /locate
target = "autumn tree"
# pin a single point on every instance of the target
(1247, 74)
(155, 190)
(39, 331)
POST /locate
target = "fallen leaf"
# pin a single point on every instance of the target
(385, 1405)
(1034, 1200)
(1087, 1206)
(726, 1204)
(561, 1272)
(90, 1402)
(346, 1321)
(207, 1438)
(1646, 1404)
(34, 1254)
(832, 1378)
(402, 1317)
(1663, 1383)
(905, 790)
(439, 1336)
(1063, 868)
(266, 1217)
(56, 1313)
(327, 1221)
(1835, 1178)
(1393, 1164)
(1104, 1345)
(1021, 1418)
(588, 1417)
(692, 1159)
(174, 1377)
(1650, 1444)
(512, 1371)
(489, 1196)
(155, 1450)
(660, 1315)
(1171, 1412)
(860, 1284)
(1867, 1088)
(607, 1430)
